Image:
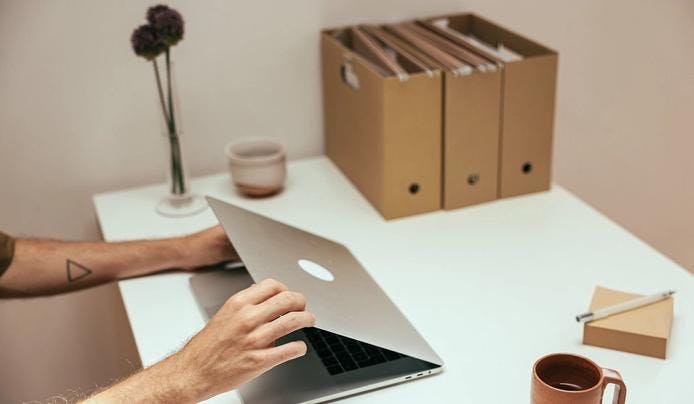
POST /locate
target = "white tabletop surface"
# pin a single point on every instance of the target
(490, 287)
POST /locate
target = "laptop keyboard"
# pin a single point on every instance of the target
(341, 354)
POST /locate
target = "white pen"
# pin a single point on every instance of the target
(628, 305)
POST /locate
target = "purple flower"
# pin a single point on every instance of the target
(167, 22)
(153, 11)
(146, 42)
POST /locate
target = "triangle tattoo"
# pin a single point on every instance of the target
(75, 271)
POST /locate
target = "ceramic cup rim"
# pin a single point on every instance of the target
(581, 357)
(236, 158)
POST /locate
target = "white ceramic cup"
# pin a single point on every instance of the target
(258, 166)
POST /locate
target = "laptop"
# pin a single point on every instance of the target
(360, 341)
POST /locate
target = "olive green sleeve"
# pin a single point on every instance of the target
(6, 251)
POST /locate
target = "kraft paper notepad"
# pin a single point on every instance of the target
(644, 330)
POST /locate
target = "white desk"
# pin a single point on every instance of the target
(491, 287)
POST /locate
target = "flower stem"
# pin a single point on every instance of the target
(168, 85)
(177, 176)
(161, 94)
(167, 119)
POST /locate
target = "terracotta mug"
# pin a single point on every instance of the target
(564, 378)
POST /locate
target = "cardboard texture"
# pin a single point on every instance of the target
(384, 133)
(443, 140)
(644, 331)
(528, 97)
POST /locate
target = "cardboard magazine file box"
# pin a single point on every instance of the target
(471, 113)
(471, 138)
(527, 108)
(383, 132)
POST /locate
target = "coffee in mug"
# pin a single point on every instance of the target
(564, 378)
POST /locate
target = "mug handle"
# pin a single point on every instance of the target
(620, 393)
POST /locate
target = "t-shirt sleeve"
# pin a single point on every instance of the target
(6, 251)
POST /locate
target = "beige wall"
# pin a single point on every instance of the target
(78, 113)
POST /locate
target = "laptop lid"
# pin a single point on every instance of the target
(339, 291)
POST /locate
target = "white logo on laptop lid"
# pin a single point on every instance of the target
(316, 270)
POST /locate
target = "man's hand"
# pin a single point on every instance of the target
(236, 346)
(207, 247)
(238, 343)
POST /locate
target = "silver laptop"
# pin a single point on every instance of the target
(360, 342)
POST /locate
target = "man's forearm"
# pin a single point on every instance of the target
(165, 382)
(47, 266)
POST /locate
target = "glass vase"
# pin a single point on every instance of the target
(180, 201)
